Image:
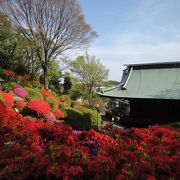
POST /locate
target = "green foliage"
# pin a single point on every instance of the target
(78, 90)
(7, 87)
(54, 93)
(54, 74)
(52, 102)
(77, 120)
(35, 84)
(12, 52)
(1, 98)
(175, 125)
(67, 85)
(97, 100)
(82, 118)
(90, 72)
(5, 27)
(1, 73)
(33, 94)
(65, 99)
(94, 116)
(16, 52)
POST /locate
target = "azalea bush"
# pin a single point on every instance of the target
(51, 118)
(7, 87)
(58, 114)
(33, 94)
(20, 104)
(20, 91)
(9, 73)
(40, 107)
(52, 101)
(45, 93)
(38, 150)
(7, 98)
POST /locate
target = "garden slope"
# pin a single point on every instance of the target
(35, 150)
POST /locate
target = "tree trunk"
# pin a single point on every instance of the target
(89, 95)
(46, 80)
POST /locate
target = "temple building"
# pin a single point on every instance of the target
(149, 93)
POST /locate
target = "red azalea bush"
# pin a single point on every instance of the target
(40, 107)
(9, 73)
(7, 98)
(58, 114)
(20, 104)
(38, 150)
(25, 77)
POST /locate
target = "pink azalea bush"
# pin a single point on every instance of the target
(20, 91)
(51, 118)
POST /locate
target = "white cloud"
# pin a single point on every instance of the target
(132, 49)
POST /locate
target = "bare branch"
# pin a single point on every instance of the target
(52, 26)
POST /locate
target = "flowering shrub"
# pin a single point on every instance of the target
(36, 150)
(33, 94)
(25, 77)
(45, 93)
(9, 73)
(58, 114)
(20, 104)
(40, 107)
(17, 86)
(7, 98)
(52, 101)
(21, 92)
(51, 118)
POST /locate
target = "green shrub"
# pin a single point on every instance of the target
(33, 94)
(54, 93)
(35, 83)
(65, 99)
(7, 87)
(52, 102)
(77, 120)
(1, 73)
(175, 125)
(1, 98)
(83, 118)
(95, 117)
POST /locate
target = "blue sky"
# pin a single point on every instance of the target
(133, 31)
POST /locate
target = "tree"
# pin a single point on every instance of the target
(11, 50)
(67, 84)
(52, 26)
(5, 27)
(90, 72)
